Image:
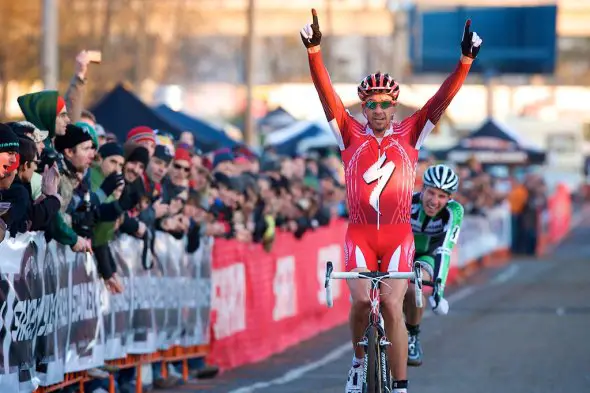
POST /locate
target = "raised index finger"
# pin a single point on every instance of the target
(314, 16)
(467, 27)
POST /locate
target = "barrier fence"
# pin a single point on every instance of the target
(231, 300)
(57, 318)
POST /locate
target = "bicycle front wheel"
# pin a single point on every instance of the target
(373, 361)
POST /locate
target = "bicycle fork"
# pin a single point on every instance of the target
(383, 344)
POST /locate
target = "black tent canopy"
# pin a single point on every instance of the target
(493, 143)
(120, 110)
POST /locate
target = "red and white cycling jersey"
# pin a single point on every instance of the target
(380, 175)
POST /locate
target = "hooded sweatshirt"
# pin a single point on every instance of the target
(41, 109)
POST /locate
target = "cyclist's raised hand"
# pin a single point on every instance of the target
(471, 42)
(310, 34)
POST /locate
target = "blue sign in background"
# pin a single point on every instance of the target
(516, 40)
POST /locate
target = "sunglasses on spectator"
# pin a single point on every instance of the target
(383, 104)
(182, 167)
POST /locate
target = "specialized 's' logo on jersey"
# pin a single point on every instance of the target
(381, 173)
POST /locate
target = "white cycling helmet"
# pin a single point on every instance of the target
(441, 177)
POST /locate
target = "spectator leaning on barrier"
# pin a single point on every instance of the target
(136, 160)
(28, 129)
(106, 177)
(30, 215)
(152, 181)
(9, 161)
(76, 147)
(177, 179)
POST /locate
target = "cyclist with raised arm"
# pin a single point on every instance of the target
(436, 222)
(380, 165)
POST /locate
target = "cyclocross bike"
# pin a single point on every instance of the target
(377, 377)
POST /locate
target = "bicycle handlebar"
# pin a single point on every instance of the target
(330, 274)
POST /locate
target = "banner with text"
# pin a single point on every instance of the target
(265, 302)
(56, 316)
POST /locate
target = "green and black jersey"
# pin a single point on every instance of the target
(435, 237)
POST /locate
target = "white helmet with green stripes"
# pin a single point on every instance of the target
(441, 177)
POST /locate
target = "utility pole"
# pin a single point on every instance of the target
(50, 35)
(249, 136)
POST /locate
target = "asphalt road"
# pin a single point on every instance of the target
(520, 328)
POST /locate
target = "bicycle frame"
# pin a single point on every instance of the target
(375, 326)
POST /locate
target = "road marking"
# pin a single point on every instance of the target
(333, 355)
(560, 311)
(298, 372)
(506, 275)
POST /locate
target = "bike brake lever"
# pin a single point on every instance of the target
(329, 269)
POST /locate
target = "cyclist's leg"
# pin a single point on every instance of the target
(413, 313)
(397, 244)
(359, 256)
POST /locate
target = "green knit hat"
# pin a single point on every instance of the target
(89, 129)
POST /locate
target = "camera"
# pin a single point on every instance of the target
(49, 156)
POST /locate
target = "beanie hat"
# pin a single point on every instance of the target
(24, 129)
(73, 137)
(163, 153)
(8, 139)
(138, 154)
(222, 156)
(141, 133)
(61, 103)
(99, 130)
(182, 155)
(110, 149)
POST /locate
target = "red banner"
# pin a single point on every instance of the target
(265, 302)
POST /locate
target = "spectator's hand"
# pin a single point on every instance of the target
(183, 223)
(310, 34)
(243, 235)
(114, 285)
(81, 245)
(169, 224)
(160, 209)
(50, 180)
(292, 226)
(175, 206)
(112, 182)
(118, 191)
(82, 62)
(218, 229)
(89, 245)
(140, 230)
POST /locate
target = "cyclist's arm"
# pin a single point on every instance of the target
(425, 119)
(333, 106)
(442, 255)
